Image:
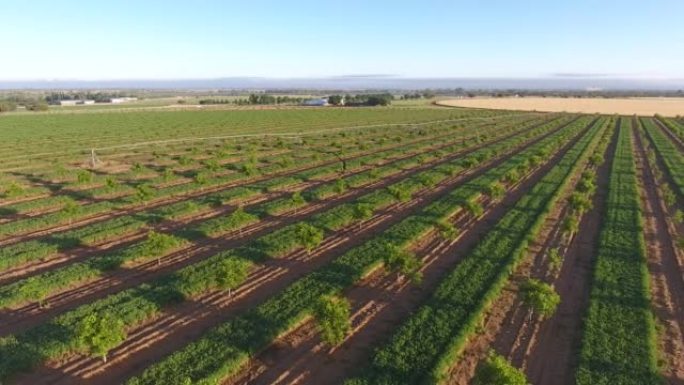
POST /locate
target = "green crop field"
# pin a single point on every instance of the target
(409, 244)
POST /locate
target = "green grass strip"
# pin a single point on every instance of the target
(619, 339)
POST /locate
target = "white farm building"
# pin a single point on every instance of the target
(75, 102)
(316, 102)
(122, 100)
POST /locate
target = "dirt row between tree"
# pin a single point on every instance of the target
(182, 324)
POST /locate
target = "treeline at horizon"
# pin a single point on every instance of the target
(383, 99)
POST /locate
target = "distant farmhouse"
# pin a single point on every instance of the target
(332, 100)
(122, 100)
(80, 102)
(75, 102)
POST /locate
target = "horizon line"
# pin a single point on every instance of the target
(356, 77)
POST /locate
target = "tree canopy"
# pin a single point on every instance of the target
(495, 370)
(99, 333)
(540, 297)
(309, 236)
(332, 315)
(403, 263)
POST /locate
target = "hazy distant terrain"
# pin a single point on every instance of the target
(358, 82)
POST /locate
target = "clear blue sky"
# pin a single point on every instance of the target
(122, 39)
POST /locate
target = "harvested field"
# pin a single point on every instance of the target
(627, 106)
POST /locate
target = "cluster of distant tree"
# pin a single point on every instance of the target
(270, 99)
(211, 101)
(383, 99)
(255, 99)
(37, 106)
(361, 100)
(6, 105)
(418, 95)
(98, 97)
(31, 104)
